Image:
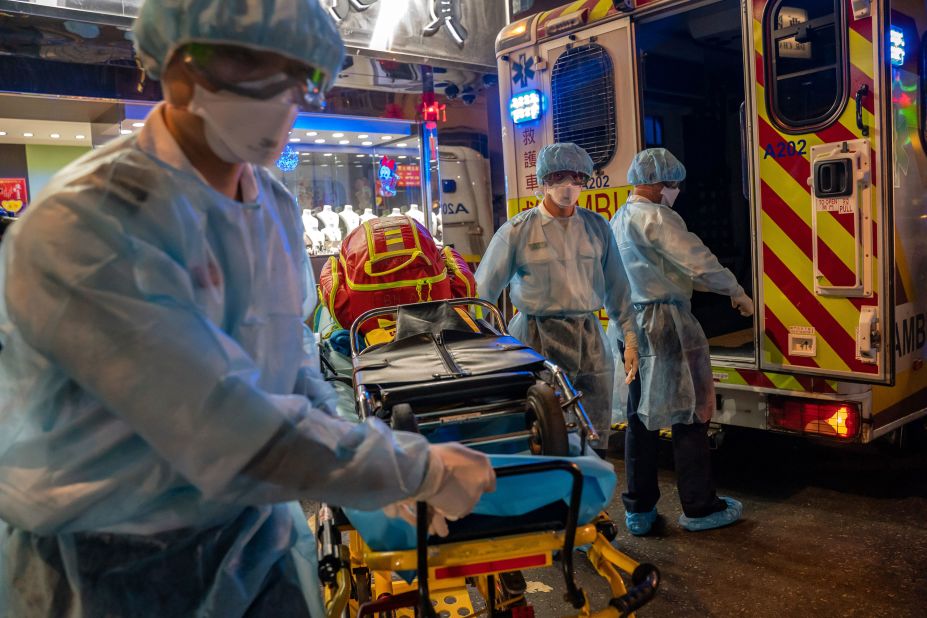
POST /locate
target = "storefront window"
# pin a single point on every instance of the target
(345, 170)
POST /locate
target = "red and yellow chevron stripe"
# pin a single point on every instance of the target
(786, 226)
(731, 376)
(598, 9)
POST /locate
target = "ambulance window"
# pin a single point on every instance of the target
(519, 9)
(805, 62)
(582, 88)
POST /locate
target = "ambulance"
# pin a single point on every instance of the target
(803, 126)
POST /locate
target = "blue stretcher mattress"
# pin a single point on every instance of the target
(514, 496)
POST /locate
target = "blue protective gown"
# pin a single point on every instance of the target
(157, 404)
(664, 263)
(560, 271)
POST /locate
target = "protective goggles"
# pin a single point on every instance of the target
(245, 72)
(565, 178)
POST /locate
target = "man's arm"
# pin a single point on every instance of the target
(118, 315)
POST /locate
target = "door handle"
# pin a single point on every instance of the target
(744, 185)
(860, 94)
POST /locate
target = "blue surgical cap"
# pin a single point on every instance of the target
(655, 165)
(298, 29)
(563, 157)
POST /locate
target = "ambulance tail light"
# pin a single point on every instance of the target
(832, 419)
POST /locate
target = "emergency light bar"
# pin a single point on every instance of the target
(897, 50)
(526, 106)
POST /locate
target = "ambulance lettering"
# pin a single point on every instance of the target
(453, 209)
(781, 150)
(910, 334)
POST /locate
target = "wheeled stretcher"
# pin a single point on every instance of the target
(453, 373)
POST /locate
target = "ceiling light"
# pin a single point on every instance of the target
(328, 154)
(55, 135)
(320, 141)
(401, 157)
(344, 141)
(365, 136)
(311, 133)
(138, 125)
(366, 143)
(386, 137)
(2, 133)
(295, 139)
(361, 156)
(337, 134)
(125, 131)
(27, 134)
(80, 137)
(402, 145)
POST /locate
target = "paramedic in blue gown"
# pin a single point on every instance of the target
(159, 412)
(561, 265)
(664, 263)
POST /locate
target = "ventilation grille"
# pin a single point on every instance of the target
(583, 90)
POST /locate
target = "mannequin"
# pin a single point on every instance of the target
(395, 213)
(416, 214)
(367, 215)
(327, 216)
(330, 227)
(312, 236)
(351, 219)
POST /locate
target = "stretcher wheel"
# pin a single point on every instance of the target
(403, 418)
(545, 422)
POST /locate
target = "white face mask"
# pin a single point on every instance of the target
(669, 195)
(564, 196)
(241, 129)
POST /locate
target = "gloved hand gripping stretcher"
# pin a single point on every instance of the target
(451, 376)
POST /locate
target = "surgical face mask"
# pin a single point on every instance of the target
(241, 129)
(669, 195)
(564, 195)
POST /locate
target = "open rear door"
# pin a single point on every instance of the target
(823, 217)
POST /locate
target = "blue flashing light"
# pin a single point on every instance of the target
(526, 106)
(897, 49)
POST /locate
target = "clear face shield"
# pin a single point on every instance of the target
(256, 75)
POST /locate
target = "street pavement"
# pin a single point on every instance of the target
(827, 531)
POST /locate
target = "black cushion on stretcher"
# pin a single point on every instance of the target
(419, 358)
(434, 317)
(507, 385)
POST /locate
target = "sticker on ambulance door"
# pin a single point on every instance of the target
(802, 341)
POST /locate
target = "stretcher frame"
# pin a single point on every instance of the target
(349, 572)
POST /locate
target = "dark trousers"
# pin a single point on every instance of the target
(693, 465)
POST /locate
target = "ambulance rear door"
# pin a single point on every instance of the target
(823, 215)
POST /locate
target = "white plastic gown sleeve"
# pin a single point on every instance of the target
(118, 314)
(666, 232)
(310, 381)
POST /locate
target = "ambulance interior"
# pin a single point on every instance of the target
(691, 74)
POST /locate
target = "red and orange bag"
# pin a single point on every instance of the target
(390, 261)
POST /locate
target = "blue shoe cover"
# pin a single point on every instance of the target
(640, 524)
(716, 520)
